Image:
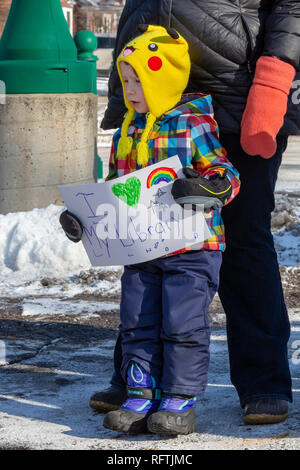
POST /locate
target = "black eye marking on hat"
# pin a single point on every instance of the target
(173, 33)
(143, 28)
(153, 47)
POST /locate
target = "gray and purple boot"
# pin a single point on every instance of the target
(176, 415)
(143, 400)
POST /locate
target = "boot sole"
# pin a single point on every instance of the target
(160, 429)
(264, 418)
(137, 425)
(161, 426)
(128, 430)
(103, 407)
(202, 200)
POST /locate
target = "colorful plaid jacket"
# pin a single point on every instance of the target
(190, 131)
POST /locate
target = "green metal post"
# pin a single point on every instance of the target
(38, 53)
(86, 43)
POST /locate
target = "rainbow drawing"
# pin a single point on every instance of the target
(161, 174)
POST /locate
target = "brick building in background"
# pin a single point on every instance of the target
(68, 9)
(4, 9)
(99, 16)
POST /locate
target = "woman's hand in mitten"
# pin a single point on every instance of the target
(71, 226)
(266, 106)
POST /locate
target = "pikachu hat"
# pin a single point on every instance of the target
(161, 60)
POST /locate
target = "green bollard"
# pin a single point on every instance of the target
(38, 53)
(48, 117)
(86, 43)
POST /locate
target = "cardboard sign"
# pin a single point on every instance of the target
(134, 218)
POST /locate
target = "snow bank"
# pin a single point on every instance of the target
(33, 247)
(44, 306)
(35, 242)
(286, 229)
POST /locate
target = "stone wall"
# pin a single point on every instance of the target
(45, 141)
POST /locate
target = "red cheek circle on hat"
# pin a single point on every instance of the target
(155, 63)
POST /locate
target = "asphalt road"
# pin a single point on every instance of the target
(54, 368)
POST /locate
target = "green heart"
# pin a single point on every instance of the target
(129, 192)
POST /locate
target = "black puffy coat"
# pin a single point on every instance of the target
(226, 37)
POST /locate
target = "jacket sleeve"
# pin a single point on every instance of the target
(282, 31)
(209, 157)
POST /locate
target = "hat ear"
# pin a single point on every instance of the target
(173, 33)
(142, 28)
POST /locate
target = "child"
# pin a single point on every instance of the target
(164, 325)
(164, 306)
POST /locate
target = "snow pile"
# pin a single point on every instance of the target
(286, 229)
(42, 306)
(35, 241)
(34, 248)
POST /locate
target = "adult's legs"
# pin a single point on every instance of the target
(250, 285)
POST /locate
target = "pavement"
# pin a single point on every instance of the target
(49, 370)
(54, 369)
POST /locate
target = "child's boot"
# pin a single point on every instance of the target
(143, 399)
(176, 415)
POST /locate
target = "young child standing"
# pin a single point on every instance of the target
(164, 306)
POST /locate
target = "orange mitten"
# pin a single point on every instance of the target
(266, 106)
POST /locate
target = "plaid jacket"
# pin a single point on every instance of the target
(190, 131)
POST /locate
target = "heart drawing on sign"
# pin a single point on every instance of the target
(129, 192)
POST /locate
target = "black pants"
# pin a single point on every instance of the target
(250, 286)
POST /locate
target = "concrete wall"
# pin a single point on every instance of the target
(45, 141)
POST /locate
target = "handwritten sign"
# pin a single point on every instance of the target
(134, 218)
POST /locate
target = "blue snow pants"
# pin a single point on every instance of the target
(164, 318)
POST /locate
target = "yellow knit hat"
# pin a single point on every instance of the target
(161, 60)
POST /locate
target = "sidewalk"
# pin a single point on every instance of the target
(55, 368)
